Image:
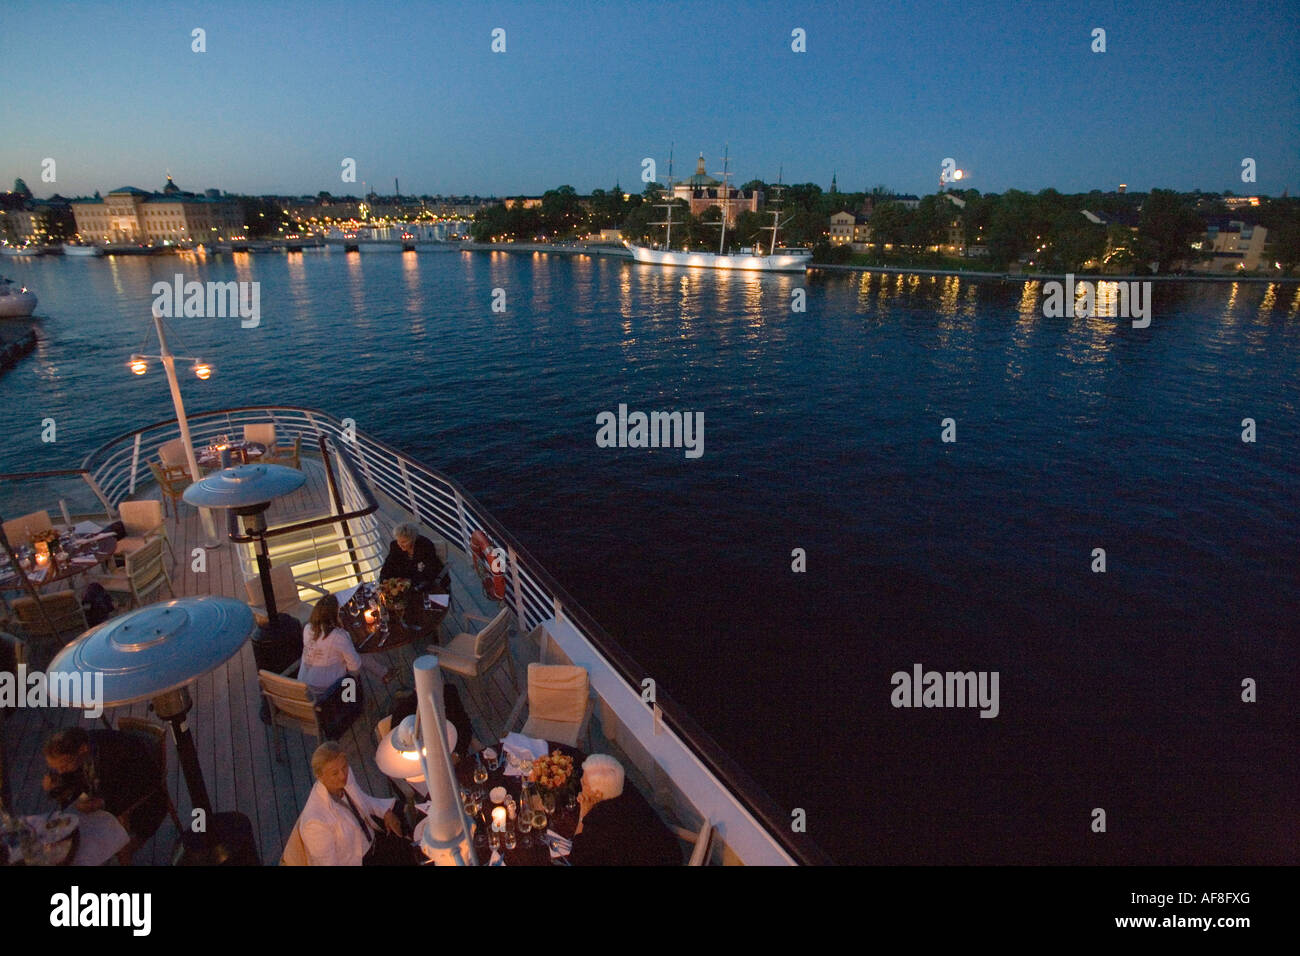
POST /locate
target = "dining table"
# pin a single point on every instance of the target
(72, 555)
(96, 840)
(374, 630)
(241, 452)
(563, 821)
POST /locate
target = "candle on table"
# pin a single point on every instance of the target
(499, 818)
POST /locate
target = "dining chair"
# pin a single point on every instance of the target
(172, 482)
(289, 456)
(290, 704)
(559, 704)
(172, 454)
(63, 620)
(19, 531)
(155, 737)
(474, 656)
(286, 591)
(262, 433)
(143, 520)
(143, 575)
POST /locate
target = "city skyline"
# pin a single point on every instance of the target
(1012, 92)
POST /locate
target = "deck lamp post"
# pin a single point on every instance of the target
(248, 491)
(154, 653)
(446, 839)
(203, 371)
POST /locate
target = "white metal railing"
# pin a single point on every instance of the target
(118, 467)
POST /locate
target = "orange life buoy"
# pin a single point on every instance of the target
(494, 581)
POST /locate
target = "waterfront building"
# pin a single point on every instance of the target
(39, 222)
(129, 214)
(1230, 245)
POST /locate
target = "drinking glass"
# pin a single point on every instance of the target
(510, 836)
(540, 821)
(480, 772)
(477, 795)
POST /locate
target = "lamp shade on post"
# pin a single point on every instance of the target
(248, 490)
(154, 653)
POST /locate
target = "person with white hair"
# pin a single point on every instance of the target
(339, 825)
(414, 557)
(616, 826)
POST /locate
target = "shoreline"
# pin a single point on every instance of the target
(1040, 276)
(593, 249)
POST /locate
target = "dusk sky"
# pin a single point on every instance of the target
(585, 90)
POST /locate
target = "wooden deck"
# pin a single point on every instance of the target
(235, 748)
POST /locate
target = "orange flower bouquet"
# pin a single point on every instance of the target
(553, 772)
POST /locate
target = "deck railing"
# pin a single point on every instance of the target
(118, 467)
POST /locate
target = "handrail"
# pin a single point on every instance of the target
(452, 511)
(371, 507)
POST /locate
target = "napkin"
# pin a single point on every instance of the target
(557, 844)
(439, 599)
(87, 528)
(102, 535)
(85, 559)
(523, 748)
(345, 595)
(497, 859)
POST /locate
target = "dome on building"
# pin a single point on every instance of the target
(171, 188)
(701, 178)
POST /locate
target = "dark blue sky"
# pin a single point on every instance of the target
(585, 90)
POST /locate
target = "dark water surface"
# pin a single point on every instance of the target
(1119, 691)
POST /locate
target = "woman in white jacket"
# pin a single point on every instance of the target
(336, 824)
(327, 651)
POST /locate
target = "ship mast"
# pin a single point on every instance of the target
(667, 206)
(776, 213)
(722, 241)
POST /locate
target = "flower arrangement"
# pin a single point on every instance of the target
(47, 537)
(394, 593)
(553, 771)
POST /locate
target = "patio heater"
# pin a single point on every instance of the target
(248, 491)
(154, 653)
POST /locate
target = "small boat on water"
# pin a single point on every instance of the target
(11, 250)
(15, 301)
(81, 249)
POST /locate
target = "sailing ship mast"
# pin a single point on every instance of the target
(776, 212)
(722, 241)
(667, 206)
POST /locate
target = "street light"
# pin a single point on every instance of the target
(139, 366)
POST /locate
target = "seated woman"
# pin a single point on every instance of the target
(414, 557)
(616, 826)
(327, 651)
(107, 770)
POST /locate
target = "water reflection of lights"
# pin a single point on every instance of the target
(1029, 310)
(1269, 301)
(1295, 305)
(948, 297)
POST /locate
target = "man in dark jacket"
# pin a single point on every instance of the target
(414, 557)
(107, 770)
(616, 826)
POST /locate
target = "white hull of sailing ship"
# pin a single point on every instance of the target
(777, 262)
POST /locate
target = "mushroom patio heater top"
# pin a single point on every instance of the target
(154, 653)
(249, 490)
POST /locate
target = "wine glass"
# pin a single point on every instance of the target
(540, 820)
(480, 773)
